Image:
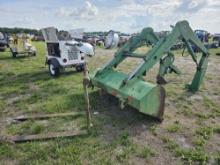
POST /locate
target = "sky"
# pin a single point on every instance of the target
(102, 15)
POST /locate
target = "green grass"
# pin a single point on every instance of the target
(118, 136)
(147, 152)
(199, 141)
(197, 155)
(174, 127)
(205, 132)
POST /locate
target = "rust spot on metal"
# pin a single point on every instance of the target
(114, 93)
(130, 98)
(161, 80)
(44, 116)
(51, 135)
(162, 103)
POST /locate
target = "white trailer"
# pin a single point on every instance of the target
(62, 54)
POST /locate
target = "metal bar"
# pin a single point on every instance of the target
(22, 53)
(134, 56)
(51, 135)
(44, 116)
(86, 82)
(132, 74)
(146, 36)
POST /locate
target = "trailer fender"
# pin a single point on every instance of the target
(54, 61)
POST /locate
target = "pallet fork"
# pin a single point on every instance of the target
(44, 136)
(131, 88)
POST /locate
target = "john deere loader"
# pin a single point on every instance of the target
(131, 89)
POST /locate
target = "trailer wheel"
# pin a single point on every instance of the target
(82, 67)
(54, 71)
(2, 49)
(14, 52)
(79, 68)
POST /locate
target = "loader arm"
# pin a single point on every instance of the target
(181, 30)
(147, 36)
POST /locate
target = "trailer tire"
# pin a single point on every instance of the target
(2, 49)
(14, 52)
(80, 68)
(53, 69)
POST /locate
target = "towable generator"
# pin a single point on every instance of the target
(131, 89)
(61, 54)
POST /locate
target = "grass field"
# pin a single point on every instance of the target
(189, 134)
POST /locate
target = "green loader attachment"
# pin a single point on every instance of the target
(131, 89)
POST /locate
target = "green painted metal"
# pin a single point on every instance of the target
(167, 66)
(130, 88)
(144, 96)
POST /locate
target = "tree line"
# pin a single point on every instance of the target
(38, 32)
(19, 30)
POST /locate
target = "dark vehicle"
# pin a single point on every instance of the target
(202, 35)
(216, 39)
(123, 40)
(3, 42)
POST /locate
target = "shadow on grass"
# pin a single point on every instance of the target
(11, 79)
(16, 58)
(67, 72)
(110, 121)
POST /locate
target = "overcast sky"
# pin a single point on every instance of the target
(102, 15)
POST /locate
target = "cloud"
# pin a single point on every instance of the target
(191, 6)
(88, 11)
(160, 14)
(140, 21)
(102, 15)
(25, 20)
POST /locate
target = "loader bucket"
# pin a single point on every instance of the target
(147, 98)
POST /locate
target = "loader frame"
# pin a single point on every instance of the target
(160, 52)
